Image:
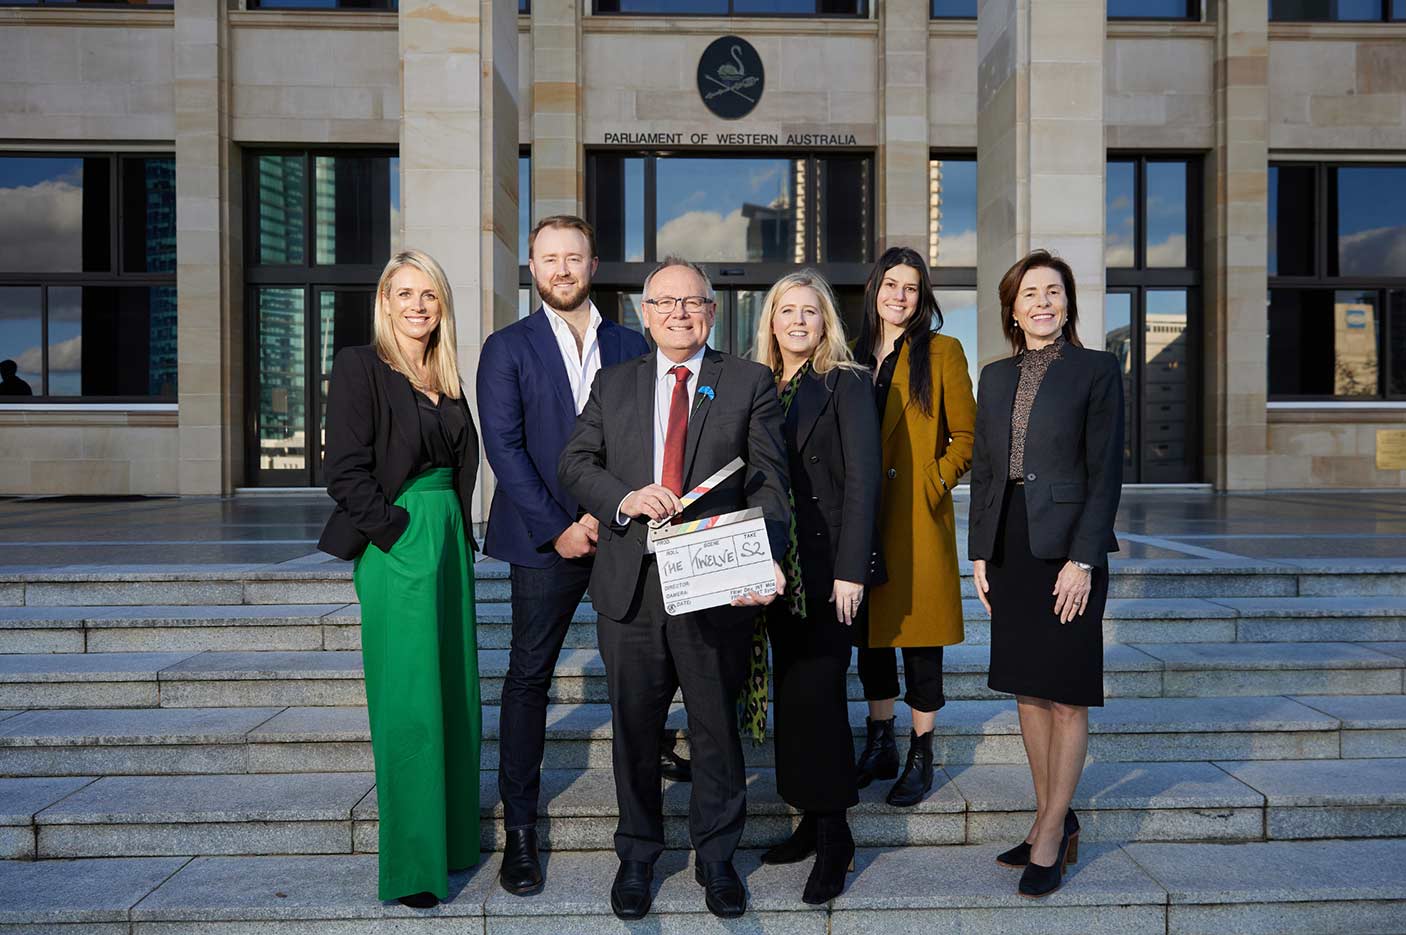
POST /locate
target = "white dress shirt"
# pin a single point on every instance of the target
(580, 368)
(663, 397)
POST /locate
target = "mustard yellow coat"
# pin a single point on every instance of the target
(923, 457)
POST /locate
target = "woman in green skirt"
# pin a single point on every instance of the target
(401, 457)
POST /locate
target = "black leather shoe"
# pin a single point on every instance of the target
(880, 757)
(834, 857)
(521, 874)
(1037, 881)
(672, 766)
(1019, 855)
(723, 891)
(633, 890)
(916, 780)
(796, 848)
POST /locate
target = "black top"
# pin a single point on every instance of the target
(885, 378)
(442, 430)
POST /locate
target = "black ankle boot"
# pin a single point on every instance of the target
(917, 774)
(880, 757)
(796, 848)
(834, 857)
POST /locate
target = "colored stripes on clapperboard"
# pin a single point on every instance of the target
(729, 469)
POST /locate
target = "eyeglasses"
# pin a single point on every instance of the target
(693, 304)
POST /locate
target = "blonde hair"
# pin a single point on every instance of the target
(441, 356)
(833, 352)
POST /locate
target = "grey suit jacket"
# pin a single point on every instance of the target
(611, 452)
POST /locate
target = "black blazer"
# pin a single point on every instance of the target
(611, 452)
(1073, 457)
(373, 443)
(832, 443)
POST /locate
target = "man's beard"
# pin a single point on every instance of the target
(572, 299)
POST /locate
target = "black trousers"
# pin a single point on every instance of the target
(922, 670)
(543, 600)
(648, 656)
(814, 742)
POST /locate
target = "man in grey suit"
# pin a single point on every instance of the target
(652, 429)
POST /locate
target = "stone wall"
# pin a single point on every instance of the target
(61, 451)
(1326, 448)
(1335, 87)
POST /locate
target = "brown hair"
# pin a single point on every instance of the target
(565, 222)
(1010, 288)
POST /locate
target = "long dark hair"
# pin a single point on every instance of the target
(1009, 290)
(917, 333)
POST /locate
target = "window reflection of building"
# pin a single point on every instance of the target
(1354, 349)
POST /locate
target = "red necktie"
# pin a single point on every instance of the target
(677, 434)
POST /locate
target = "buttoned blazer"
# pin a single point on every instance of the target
(832, 444)
(1073, 457)
(525, 402)
(611, 453)
(923, 458)
(373, 444)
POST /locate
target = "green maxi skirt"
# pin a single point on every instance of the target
(420, 654)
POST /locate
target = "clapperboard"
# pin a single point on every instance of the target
(708, 562)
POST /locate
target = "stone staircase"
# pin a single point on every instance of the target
(185, 749)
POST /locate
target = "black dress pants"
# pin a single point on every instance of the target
(814, 742)
(648, 656)
(922, 670)
(543, 601)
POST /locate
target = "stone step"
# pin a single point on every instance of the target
(141, 741)
(1135, 889)
(335, 813)
(334, 677)
(336, 626)
(330, 582)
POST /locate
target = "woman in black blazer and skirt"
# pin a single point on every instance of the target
(832, 444)
(1047, 473)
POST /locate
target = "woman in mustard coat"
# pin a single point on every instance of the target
(924, 397)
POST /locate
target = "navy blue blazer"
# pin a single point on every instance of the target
(526, 413)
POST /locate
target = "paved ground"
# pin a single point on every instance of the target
(276, 529)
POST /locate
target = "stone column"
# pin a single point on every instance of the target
(903, 124)
(458, 156)
(208, 346)
(558, 171)
(1235, 352)
(1041, 151)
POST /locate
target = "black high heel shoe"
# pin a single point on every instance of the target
(1019, 855)
(796, 848)
(1039, 881)
(834, 858)
(419, 900)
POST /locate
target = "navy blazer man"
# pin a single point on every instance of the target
(533, 378)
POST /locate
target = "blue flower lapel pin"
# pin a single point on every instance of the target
(706, 391)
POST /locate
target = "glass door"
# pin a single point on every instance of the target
(1148, 331)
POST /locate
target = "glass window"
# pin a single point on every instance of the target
(1292, 194)
(281, 423)
(324, 4)
(1166, 214)
(1371, 221)
(1120, 213)
(149, 215)
(736, 7)
(1166, 392)
(351, 209)
(55, 214)
(954, 9)
(618, 188)
(1118, 341)
(959, 321)
(344, 320)
(524, 206)
(112, 341)
(843, 235)
(1396, 374)
(1326, 10)
(1323, 343)
(729, 209)
(952, 212)
(1153, 9)
(21, 341)
(280, 206)
(397, 220)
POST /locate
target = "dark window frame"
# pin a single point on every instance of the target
(1192, 14)
(114, 277)
(524, 272)
(862, 13)
(1140, 279)
(92, 4)
(1321, 281)
(1386, 14)
(313, 279)
(383, 6)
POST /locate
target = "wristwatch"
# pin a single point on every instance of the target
(1083, 566)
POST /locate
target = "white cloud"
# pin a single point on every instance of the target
(705, 235)
(1118, 252)
(66, 355)
(956, 249)
(41, 227)
(1170, 252)
(1380, 251)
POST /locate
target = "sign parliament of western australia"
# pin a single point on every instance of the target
(730, 82)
